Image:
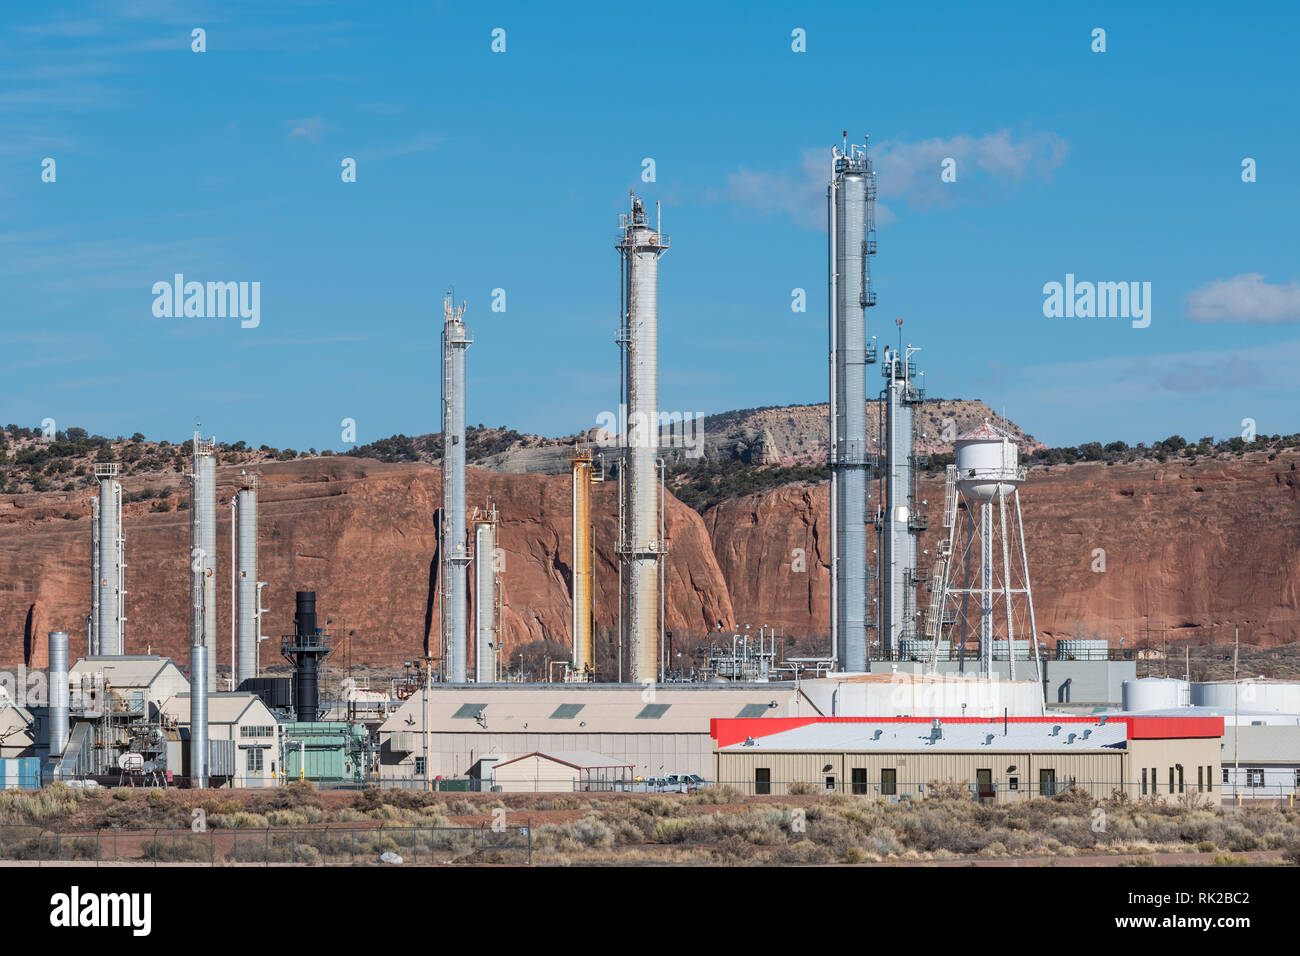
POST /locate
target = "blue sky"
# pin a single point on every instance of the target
(508, 170)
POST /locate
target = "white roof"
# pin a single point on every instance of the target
(893, 737)
(135, 670)
(587, 708)
(223, 708)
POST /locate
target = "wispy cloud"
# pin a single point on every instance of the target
(907, 172)
(311, 128)
(1245, 298)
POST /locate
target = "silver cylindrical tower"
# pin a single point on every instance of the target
(246, 642)
(94, 576)
(111, 545)
(486, 624)
(58, 692)
(852, 213)
(453, 548)
(641, 545)
(204, 549)
(198, 716)
(900, 521)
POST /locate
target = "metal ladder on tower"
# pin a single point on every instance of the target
(942, 556)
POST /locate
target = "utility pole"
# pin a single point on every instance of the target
(428, 688)
(1236, 722)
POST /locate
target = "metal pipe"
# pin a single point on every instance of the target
(205, 535)
(110, 558)
(248, 600)
(831, 448)
(1029, 595)
(582, 561)
(94, 576)
(58, 678)
(1006, 590)
(486, 623)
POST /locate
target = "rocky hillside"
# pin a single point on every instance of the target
(1192, 545)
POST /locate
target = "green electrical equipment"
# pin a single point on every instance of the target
(325, 751)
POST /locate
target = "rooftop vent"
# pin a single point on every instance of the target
(1087, 733)
(988, 739)
(1070, 739)
(876, 735)
(1056, 730)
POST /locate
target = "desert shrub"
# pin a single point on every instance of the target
(1238, 839)
(718, 794)
(286, 818)
(1292, 853)
(1206, 846)
(464, 808)
(854, 854)
(1140, 861)
(947, 790)
(1227, 859)
(590, 832)
(802, 788)
(802, 853)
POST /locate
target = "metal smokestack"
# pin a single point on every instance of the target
(487, 625)
(93, 649)
(453, 548)
(247, 581)
(582, 554)
(203, 553)
(111, 570)
(303, 649)
(58, 677)
(851, 232)
(899, 520)
(641, 546)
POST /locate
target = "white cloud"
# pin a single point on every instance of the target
(1245, 298)
(907, 172)
(307, 128)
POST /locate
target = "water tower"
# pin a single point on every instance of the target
(993, 588)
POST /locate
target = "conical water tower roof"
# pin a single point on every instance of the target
(984, 432)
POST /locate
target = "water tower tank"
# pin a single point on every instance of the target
(1154, 693)
(988, 463)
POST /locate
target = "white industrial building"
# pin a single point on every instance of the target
(140, 683)
(659, 731)
(1261, 762)
(238, 717)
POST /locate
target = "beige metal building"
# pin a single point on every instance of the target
(657, 731)
(562, 772)
(240, 717)
(895, 758)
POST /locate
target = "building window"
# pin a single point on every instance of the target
(1254, 777)
(1225, 774)
(1144, 781)
(254, 760)
(859, 780)
(830, 783)
(762, 780)
(1047, 782)
(256, 730)
(419, 766)
(1200, 779)
(1180, 779)
(1209, 778)
(889, 782)
(1155, 787)
(1013, 783)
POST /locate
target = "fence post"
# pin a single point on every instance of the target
(58, 842)
(115, 845)
(155, 846)
(212, 847)
(354, 846)
(267, 856)
(530, 841)
(173, 846)
(293, 844)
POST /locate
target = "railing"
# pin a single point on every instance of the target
(325, 845)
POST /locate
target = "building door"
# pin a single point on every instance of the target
(1047, 783)
(984, 786)
(762, 780)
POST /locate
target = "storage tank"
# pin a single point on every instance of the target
(988, 463)
(1082, 649)
(1154, 693)
(1253, 693)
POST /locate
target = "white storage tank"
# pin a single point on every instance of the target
(988, 462)
(1082, 649)
(1252, 693)
(1155, 693)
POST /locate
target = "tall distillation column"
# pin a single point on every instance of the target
(112, 563)
(641, 543)
(453, 549)
(94, 577)
(487, 604)
(246, 509)
(203, 553)
(583, 664)
(852, 239)
(900, 520)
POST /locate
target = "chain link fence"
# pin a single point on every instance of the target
(303, 846)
